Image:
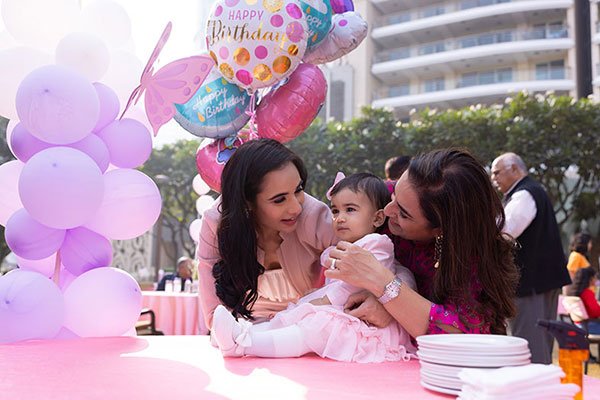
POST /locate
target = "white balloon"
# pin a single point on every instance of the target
(85, 53)
(39, 23)
(15, 64)
(123, 75)
(7, 41)
(108, 20)
(200, 186)
(204, 203)
(9, 130)
(195, 229)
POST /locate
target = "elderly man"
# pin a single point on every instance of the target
(530, 220)
(184, 272)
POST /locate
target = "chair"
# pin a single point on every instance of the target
(572, 310)
(147, 326)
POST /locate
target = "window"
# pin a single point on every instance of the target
(336, 103)
(468, 79)
(550, 70)
(400, 90)
(433, 11)
(504, 75)
(434, 85)
(432, 48)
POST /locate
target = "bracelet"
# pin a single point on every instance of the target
(391, 290)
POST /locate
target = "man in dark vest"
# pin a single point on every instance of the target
(530, 220)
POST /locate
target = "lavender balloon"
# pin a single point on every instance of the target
(24, 145)
(32, 307)
(109, 105)
(57, 104)
(129, 142)
(44, 266)
(130, 206)
(94, 147)
(89, 311)
(61, 187)
(29, 239)
(84, 250)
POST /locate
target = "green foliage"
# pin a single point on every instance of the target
(553, 134)
(173, 168)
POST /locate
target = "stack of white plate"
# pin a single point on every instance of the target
(443, 356)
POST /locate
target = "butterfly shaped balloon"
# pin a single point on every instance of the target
(175, 83)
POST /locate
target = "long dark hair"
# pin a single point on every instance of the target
(579, 243)
(581, 281)
(236, 274)
(372, 186)
(456, 195)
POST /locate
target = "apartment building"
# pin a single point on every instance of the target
(454, 53)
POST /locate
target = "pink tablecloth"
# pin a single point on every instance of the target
(176, 313)
(188, 367)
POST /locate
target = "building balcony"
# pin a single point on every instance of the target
(493, 89)
(405, 29)
(504, 49)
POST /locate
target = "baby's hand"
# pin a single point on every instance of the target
(322, 301)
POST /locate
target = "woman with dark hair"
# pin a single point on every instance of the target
(260, 243)
(581, 245)
(583, 287)
(447, 222)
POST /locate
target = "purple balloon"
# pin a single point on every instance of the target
(57, 104)
(129, 142)
(130, 206)
(61, 187)
(109, 105)
(32, 307)
(24, 145)
(102, 302)
(44, 266)
(84, 250)
(10, 172)
(341, 6)
(29, 239)
(94, 147)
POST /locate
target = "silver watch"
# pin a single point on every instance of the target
(391, 291)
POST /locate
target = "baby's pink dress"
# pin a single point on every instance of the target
(331, 333)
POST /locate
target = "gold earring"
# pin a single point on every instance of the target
(438, 250)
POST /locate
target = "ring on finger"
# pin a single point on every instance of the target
(332, 266)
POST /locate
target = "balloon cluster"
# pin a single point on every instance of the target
(72, 190)
(266, 55)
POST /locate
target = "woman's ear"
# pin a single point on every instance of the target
(379, 218)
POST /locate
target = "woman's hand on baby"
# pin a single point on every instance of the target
(363, 305)
(357, 267)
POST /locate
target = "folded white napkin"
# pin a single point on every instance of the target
(533, 381)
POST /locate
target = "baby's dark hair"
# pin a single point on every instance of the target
(371, 185)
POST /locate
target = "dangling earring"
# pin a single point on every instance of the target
(438, 250)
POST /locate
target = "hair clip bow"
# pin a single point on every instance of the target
(338, 177)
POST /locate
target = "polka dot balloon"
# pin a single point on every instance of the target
(256, 43)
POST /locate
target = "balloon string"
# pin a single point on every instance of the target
(251, 111)
(56, 276)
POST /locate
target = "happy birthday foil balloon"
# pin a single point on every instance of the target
(318, 17)
(256, 43)
(217, 109)
(347, 32)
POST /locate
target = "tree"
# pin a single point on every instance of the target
(5, 156)
(173, 168)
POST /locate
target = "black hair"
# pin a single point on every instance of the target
(395, 167)
(580, 241)
(371, 185)
(582, 280)
(236, 274)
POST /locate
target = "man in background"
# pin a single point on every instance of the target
(183, 271)
(530, 220)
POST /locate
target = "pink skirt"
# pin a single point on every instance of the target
(331, 333)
